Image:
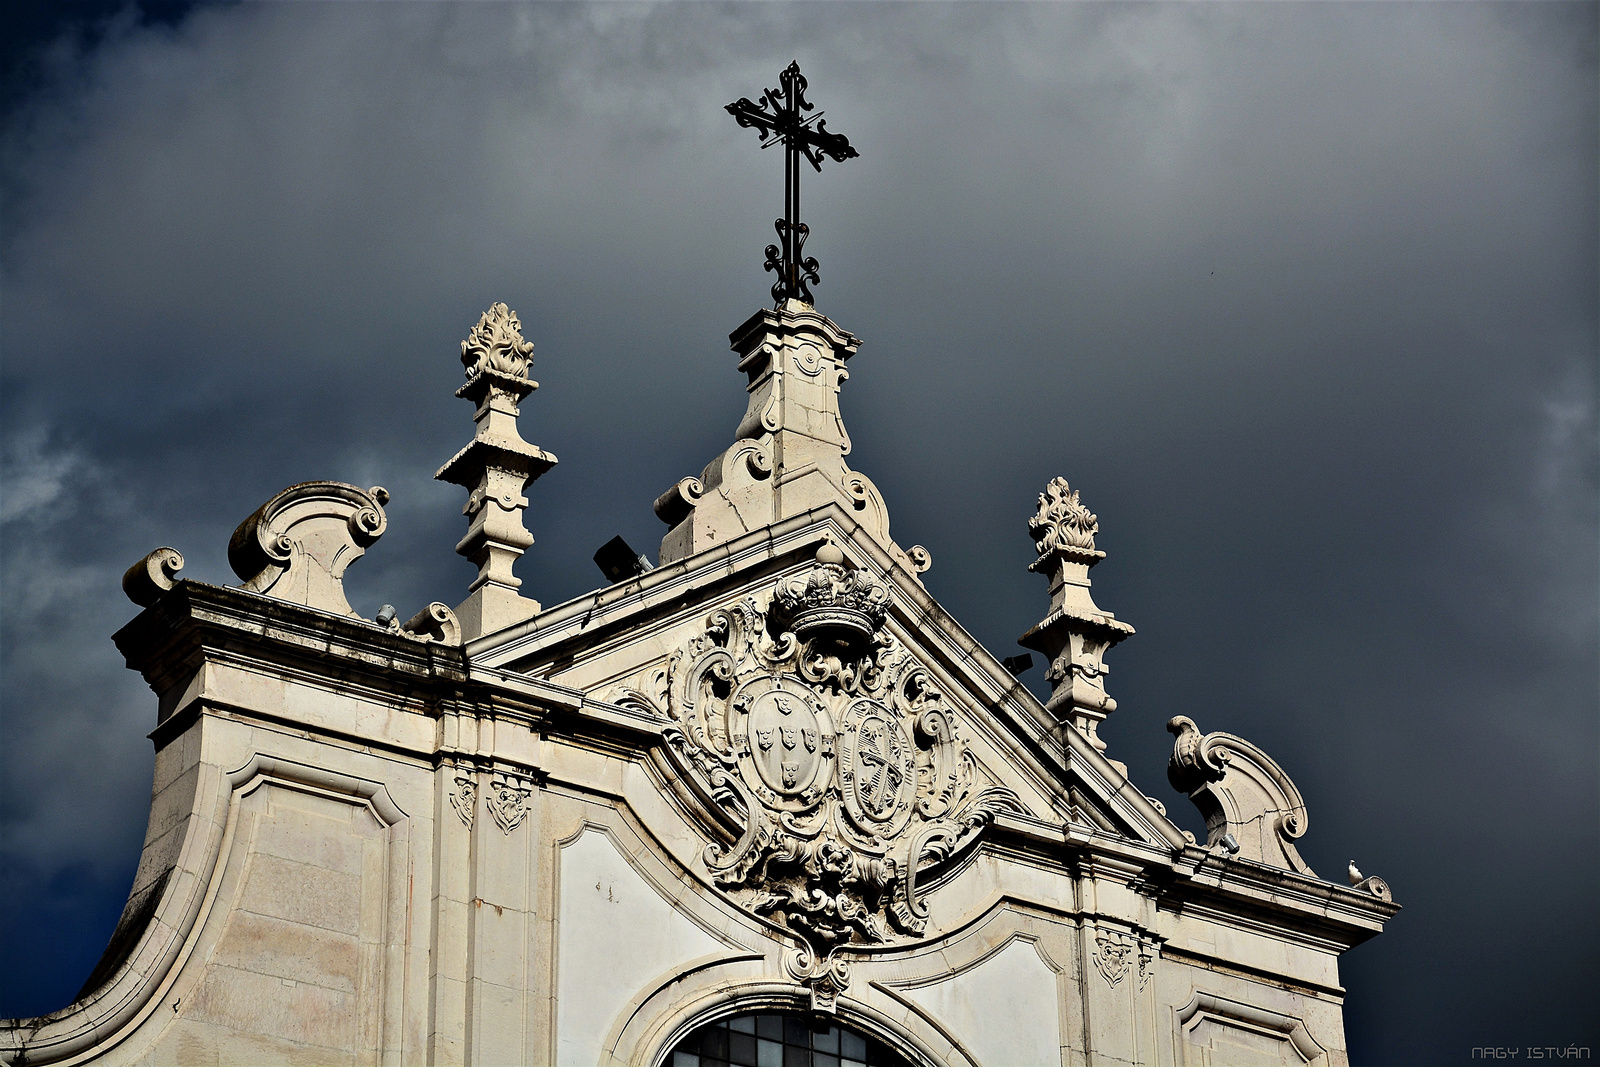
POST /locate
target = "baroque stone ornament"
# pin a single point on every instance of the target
(464, 797)
(495, 468)
(1115, 955)
(1062, 524)
(145, 581)
(1076, 634)
(509, 801)
(827, 762)
(1245, 797)
(297, 545)
(496, 344)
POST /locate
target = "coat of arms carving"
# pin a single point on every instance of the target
(826, 762)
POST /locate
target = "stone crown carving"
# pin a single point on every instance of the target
(1063, 526)
(496, 344)
(1241, 792)
(829, 773)
(830, 596)
(297, 545)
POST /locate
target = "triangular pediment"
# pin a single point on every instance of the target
(634, 643)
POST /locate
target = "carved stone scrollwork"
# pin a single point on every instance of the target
(145, 581)
(1377, 887)
(297, 545)
(1119, 954)
(436, 622)
(1147, 964)
(464, 795)
(828, 761)
(1243, 794)
(1115, 954)
(509, 800)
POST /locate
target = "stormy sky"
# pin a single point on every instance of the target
(1303, 299)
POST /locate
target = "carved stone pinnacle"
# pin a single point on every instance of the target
(1076, 634)
(495, 467)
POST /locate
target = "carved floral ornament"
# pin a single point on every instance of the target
(1063, 524)
(1116, 954)
(830, 760)
(496, 344)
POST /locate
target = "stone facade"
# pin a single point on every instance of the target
(771, 774)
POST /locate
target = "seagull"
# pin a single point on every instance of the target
(1356, 877)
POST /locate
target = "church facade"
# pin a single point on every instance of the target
(762, 803)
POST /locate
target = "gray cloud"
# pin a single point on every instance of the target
(1302, 297)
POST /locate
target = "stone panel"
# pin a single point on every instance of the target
(1004, 1010)
(616, 933)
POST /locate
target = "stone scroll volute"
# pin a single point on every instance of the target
(297, 545)
(1251, 807)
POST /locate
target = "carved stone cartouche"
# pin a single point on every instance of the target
(297, 545)
(829, 761)
(1241, 792)
(1076, 634)
(495, 468)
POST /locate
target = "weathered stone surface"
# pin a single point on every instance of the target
(770, 774)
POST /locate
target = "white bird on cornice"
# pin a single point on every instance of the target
(1356, 877)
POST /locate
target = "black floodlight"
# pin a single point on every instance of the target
(1017, 665)
(619, 562)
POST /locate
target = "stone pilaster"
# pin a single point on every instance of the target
(1076, 634)
(495, 468)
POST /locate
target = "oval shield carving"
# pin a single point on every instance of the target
(876, 771)
(784, 740)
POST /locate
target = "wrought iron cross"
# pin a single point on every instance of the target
(802, 135)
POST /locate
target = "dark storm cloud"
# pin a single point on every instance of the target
(1301, 297)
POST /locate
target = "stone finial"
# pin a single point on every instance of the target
(495, 468)
(788, 455)
(297, 545)
(1063, 526)
(1251, 807)
(1076, 634)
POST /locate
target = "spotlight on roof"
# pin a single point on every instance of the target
(619, 562)
(1017, 665)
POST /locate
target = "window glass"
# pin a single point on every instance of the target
(774, 1039)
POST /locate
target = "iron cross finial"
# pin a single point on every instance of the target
(803, 136)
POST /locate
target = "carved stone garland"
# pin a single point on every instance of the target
(832, 761)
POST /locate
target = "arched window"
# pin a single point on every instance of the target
(771, 1039)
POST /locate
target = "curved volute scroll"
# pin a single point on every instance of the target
(827, 763)
(1252, 809)
(297, 545)
(145, 581)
